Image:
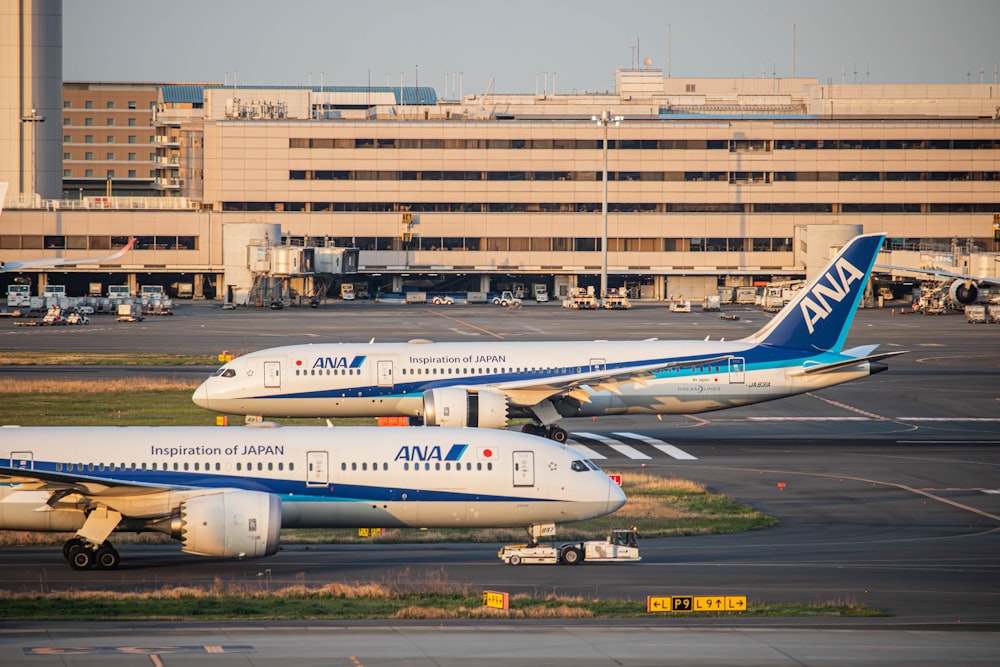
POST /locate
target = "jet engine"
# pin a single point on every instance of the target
(963, 292)
(231, 523)
(455, 406)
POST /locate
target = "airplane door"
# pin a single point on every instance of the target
(737, 368)
(385, 378)
(316, 468)
(272, 374)
(22, 460)
(598, 365)
(524, 468)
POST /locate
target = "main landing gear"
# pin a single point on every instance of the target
(552, 432)
(82, 555)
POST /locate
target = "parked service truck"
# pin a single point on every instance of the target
(541, 292)
(19, 296)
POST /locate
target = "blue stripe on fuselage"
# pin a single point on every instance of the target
(289, 489)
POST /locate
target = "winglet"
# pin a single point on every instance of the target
(821, 314)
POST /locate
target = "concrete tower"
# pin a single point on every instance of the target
(31, 98)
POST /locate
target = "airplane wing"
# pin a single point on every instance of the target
(939, 273)
(837, 365)
(63, 484)
(46, 263)
(529, 392)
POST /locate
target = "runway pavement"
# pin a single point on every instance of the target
(889, 495)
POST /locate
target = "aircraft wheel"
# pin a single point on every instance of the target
(70, 544)
(107, 557)
(515, 560)
(572, 556)
(532, 429)
(558, 434)
(81, 558)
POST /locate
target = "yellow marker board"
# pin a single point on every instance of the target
(689, 603)
(495, 599)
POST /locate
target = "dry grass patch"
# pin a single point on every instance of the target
(96, 385)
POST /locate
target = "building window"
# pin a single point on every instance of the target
(131, 139)
(110, 122)
(67, 121)
(131, 104)
(67, 104)
(111, 139)
(88, 121)
(131, 157)
(111, 104)
(131, 122)
(89, 104)
(89, 139)
(131, 173)
(110, 156)
(89, 173)
(88, 156)
(67, 156)
(111, 173)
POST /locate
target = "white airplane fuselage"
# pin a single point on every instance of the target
(324, 477)
(319, 380)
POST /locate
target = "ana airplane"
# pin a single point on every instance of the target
(58, 261)
(227, 492)
(485, 384)
(964, 288)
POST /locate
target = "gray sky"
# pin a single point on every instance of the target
(516, 41)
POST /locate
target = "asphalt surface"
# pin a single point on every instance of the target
(887, 492)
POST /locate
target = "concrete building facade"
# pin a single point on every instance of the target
(708, 180)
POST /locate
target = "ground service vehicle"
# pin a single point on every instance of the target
(541, 292)
(19, 296)
(442, 300)
(581, 298)
(347, 292)
(616, 299)
(618, 547)
(505, 299)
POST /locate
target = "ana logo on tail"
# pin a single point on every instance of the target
(814, 305)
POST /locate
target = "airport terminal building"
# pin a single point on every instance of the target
(692, 182)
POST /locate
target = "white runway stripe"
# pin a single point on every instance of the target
(666, 448)
(585, 450)
(620, 447)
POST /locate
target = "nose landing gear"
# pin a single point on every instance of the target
(556, 433)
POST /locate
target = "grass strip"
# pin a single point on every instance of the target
(359, 601)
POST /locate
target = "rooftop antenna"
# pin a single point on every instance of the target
(632, 62)
(668, 50)
(794, 28)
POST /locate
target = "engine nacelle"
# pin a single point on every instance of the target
(454, 406)
(963, 292)
(230, 523)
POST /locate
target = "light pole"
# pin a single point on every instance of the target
(32, 119)
(603, 121)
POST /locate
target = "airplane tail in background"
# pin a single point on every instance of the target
(820, 315)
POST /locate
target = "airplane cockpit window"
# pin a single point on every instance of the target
(579, 466)
(591, 464)
(225, 373)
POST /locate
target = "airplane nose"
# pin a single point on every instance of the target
(616, 497)
(200, 396)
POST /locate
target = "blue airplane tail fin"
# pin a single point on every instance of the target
(820, 315)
